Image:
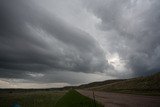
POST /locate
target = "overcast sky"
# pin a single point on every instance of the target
(54, 43)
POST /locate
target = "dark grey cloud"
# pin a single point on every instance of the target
(116, 39)
(35, 41)
(132, 28)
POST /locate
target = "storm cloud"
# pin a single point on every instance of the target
(132, 32)
(33, 41)
(78, 41)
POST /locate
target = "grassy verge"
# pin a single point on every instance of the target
(30, 99)
(75, 99)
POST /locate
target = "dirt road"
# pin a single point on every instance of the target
(123, 100)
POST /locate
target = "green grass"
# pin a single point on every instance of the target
(75, 99)
(30, 99)
(46, 99)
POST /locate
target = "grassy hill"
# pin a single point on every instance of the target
(100, 83)
(142, 85)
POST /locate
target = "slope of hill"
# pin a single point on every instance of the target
(100, 83)
(149, 84)
(142, 85)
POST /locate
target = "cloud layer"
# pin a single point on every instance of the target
(131, 30)
(33, 41)
(78, 41)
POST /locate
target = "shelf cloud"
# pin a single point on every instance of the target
(73, 42)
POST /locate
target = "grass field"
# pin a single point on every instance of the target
(30, 99)
(75, 99)
(46, 99)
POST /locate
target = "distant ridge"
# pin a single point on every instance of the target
(99, 83)
(147, 84)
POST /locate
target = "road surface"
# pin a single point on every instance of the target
(123, 100)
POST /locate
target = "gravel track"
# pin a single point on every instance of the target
(123, 100)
